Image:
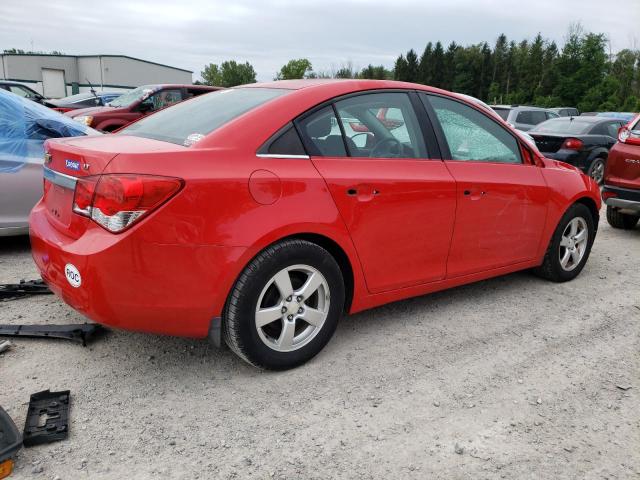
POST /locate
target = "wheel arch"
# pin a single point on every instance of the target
(340, 256)
(592, 206)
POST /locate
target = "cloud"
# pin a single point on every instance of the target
(268, 33)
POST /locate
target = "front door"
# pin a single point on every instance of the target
(397, 203)
(501, 197)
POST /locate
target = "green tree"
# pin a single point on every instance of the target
(424, 69)
(299, 68)
(400, 69)
(437, 66)
(412, 66)
(229, 74)
(375, 72)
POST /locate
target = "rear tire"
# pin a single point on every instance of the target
(596, 170)
(285, 305)
(568, 251)
(621, 220)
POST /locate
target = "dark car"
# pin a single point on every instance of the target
(25, 92)
(135, 104)
(580, 141)
(84, 100)
(566, 111)
(621, 190)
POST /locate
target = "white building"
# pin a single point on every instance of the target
(57, 76)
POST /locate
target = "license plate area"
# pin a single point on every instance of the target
(58, 201)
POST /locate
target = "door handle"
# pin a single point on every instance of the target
(363, 193)
(474, 193)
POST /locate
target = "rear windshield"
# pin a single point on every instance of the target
(187, 122)
(503, 112)
(564, 125)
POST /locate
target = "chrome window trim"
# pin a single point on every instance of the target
(276, 155)
(57, 178)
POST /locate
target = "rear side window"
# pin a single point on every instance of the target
(503, 112)
(471, 135)
(200, 116)
(381, 125)
(286, 142)
(531, 117)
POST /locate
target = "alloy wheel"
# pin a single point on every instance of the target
(597, 171)
(573, 243)
(292, 308)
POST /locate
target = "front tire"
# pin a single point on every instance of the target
(285, 305)
(621, 220)
(570, 245)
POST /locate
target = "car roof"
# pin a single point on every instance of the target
(10, 82)
(587, 119)
(356, 84)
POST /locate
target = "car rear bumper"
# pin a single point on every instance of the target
(623, 198)
(132, 284)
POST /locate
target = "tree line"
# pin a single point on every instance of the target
(581, 73)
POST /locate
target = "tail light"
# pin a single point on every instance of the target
(117, 201)
(62, 109)
(607, 194)
(572, 144)
(623, 134)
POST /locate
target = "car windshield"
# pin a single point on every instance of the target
(188, 122)
(564, 125)
(503, 112)
(134, 95)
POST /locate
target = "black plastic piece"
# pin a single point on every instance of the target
(10, 439)
(79, 332)
(47, 418)
(10, 291)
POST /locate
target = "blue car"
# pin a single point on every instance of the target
(24, 127)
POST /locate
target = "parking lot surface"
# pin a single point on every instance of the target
(513, 377)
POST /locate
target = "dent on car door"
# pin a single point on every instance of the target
(394, 194)
(502, 200)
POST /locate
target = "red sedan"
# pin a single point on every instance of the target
(255, 216)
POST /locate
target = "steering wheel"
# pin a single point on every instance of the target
(388, 147)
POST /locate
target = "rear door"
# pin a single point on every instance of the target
(501, 198)
(379, 158)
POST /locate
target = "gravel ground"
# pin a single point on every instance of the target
(513, 377)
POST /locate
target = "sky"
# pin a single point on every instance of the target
(191, 33)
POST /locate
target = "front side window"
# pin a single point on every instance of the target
(201, 115)
(381, 125)
(471, 135)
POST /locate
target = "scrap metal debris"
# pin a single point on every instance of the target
(79, 332)
(11, 291)
(47, 418)
(5, 345)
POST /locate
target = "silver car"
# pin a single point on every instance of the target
(522, 117)
(24, 127)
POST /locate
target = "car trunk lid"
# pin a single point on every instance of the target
(548, 143)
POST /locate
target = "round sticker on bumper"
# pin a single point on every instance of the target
(73, 275)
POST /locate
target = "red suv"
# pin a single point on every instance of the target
(621, 190)
(136, 104)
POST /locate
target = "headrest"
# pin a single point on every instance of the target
(319, 127)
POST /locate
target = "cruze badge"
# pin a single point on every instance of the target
(72, 165)
(632, 160)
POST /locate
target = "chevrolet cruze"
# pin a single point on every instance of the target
(255, 217)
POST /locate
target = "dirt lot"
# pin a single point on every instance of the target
(508, 378)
